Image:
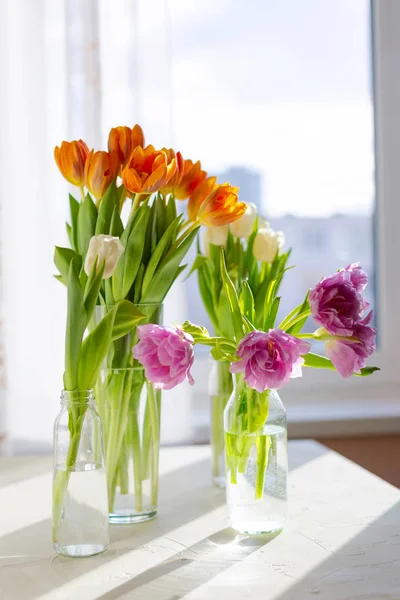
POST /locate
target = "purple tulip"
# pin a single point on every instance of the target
(358, 277)
(336, 302)
(166, 354)
(268, 360)
(349, 357)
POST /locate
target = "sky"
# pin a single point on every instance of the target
(280, 86)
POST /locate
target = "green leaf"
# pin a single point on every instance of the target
(168, 270)
(233, 301)
(247, 301)
(366, 371)
(139, 284)
(94, 350)
(76, 325)
(198, 262)
(129, 263)
(159, 253)
(92, 289)
(269, 321)
(74, 207)
(116, 225)
(108, 204)
(62, 260)
(70, 234)
(86, 224)
(224, 316)
(318, 362)
(126, 318)
(197, 331)
(297, 327)
(206, 295)
(161, 216)
(171, 210)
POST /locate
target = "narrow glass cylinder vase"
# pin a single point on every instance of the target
(256, 460)
(130, 411)
(220, 386)
(80, 504)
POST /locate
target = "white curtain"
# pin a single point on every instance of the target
(68, 69)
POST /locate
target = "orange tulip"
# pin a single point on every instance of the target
(199, 196)
(177, 176)
(148, 170)
(221, 207)
(71, 159)
(100, 170)
(192, 176)
(123, 141)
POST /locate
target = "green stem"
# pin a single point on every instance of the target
(123, 473)
(134, 435)
(261, 465)
(153, 400)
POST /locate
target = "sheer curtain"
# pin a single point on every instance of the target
(69, 69)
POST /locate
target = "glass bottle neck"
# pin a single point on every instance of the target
(77, 397)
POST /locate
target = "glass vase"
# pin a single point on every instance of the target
(130, 411)
(80, 505)
(256, 460)
(220, 386)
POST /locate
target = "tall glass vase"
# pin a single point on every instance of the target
(256, 460)
(220, 386)
(80, 507)
(130, 411)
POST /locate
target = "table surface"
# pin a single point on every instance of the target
(342, 541)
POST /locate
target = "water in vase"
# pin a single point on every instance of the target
(83, 529)
(256, 485)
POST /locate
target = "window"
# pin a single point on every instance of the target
(277, 97)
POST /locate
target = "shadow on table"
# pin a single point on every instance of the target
(369, 563)
(188, 487)
(197, 564)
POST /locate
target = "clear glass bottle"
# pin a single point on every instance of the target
(80, 506)
(220, 386)
(256, 460)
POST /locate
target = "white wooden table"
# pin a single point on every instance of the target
(342, 540)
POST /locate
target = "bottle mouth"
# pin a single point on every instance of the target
(77, 396)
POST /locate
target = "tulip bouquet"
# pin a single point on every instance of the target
(128, 218)
(256, 265)
(264, 356)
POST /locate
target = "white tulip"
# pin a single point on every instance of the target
(266, 244)
(105, 248)
(215, 235)
(243, 227)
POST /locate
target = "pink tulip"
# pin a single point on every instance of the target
(336, 302)
(166, 354)
(349, 357)
(268, 360)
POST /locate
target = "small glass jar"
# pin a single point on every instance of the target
(80, 506)
(220, 386)
(256, 460)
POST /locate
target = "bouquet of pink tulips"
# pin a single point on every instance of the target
(266, 357)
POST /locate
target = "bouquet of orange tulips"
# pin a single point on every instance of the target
(146, 249)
